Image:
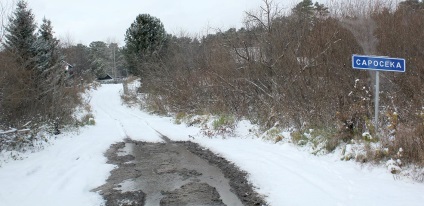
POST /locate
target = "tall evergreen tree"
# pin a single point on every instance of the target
(48, 58)
(37, 91)
(20, 35)
(321, 10)
(47, 48)
(143, 39)
(304, 9)
(49, 73)
(99, 58)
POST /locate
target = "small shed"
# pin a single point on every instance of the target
(104, 78)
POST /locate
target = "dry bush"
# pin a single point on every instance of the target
(299, 77)
(16, 92)
(24, 98)
(155, 104)
(411, 140)
(284, 69)
(403, 93)
(405, 39)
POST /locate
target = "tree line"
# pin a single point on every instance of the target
(32, 86)
(293, 69)
(41, 78)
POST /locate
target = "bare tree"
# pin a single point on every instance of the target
(67, 40)
(265, 16)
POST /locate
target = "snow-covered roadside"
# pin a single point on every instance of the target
(289, 176)
(65, 172)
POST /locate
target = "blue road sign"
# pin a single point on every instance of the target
(378, 63)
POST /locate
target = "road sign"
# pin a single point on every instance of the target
(378, 63)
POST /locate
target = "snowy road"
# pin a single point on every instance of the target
(65, 172)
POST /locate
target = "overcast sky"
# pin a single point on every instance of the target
(101, 20)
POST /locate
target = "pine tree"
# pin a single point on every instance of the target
(20, 35)
(321, 10)
(304, 9)
(308, 11)
(100, 58)
(143, 40)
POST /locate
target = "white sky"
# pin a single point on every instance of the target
(85, 21)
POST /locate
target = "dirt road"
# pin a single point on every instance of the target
(173, 173)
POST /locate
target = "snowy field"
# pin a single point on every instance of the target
(66, 171)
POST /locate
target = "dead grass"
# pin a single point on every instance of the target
(411, 140)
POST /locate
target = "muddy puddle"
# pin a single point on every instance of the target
(173, 173)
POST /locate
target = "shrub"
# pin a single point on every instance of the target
(179, 117)
(279, 138)
(299, 138)
(88, 119)
(129, 99)
(155, 104)
(222, 122)
(331, 144)
(273, 134)
(411, 140)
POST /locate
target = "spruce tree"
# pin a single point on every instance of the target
(50, 74)
(38, 72)
(47, 49)
(48, 68)
(20, 35)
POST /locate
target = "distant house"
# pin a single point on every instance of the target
(69, 69)
(107, 77)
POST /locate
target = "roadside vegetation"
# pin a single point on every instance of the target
(291, 70)
(44, 80)
(286, 70)
(40, 94)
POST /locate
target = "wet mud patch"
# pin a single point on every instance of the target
(117, 198)
(193, 193)
(238, 178)
(173, 173)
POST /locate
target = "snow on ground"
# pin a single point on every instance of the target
(292, 177)
(66, 171)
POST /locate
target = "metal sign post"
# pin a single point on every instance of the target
(377, 99)
(378, 64)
